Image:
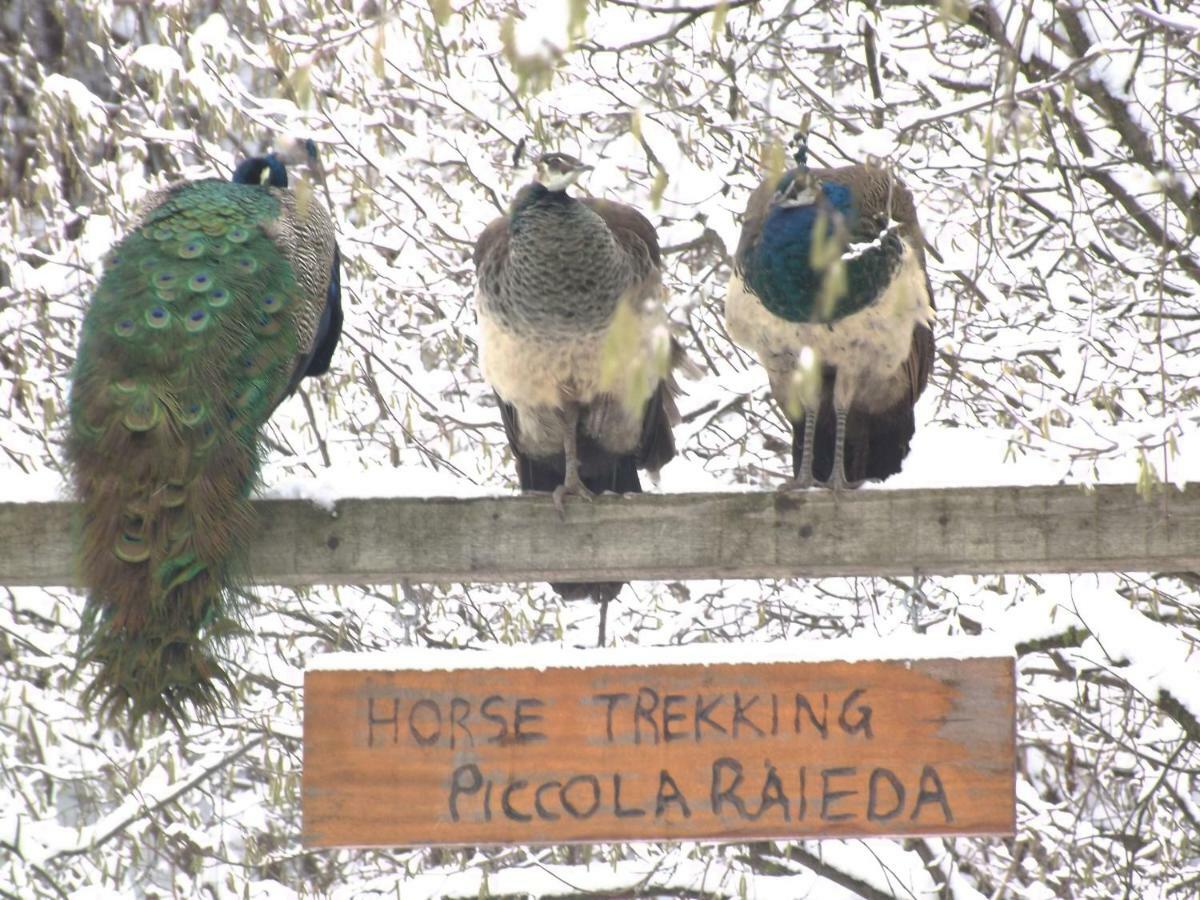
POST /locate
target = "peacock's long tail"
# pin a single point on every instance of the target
(189, 343)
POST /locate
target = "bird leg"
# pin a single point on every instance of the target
(572, 483)
(805, 479)
(837, 478)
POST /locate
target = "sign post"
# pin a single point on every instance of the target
(597, 746)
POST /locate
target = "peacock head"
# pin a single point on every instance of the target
(559, 171)
(266, 170)
(797, 188)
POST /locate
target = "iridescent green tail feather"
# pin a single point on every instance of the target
(189, 343)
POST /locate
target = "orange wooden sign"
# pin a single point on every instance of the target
(667, 751)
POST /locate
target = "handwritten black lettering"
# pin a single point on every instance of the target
(670, 717)
(828, 797)
(611, 700)
(703, 714)
(520, 717)
(393, 720)
(506, 801)
(647, 703)
(620, 811)
(465, 780)
(878, 777)
(773, 795)
(863, 723)
(669, 792)
(542, 812)
(932, 790)
(565, 796)
(821, 724)
(739, 714)
(501, 735)
(460, 708)
(720, 794)
(430, 737)
(802, 805)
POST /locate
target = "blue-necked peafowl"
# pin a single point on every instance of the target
(833, 260)
(209, 312)
(574, 340)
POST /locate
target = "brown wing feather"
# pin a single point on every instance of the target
(493, 239)
(628, 226)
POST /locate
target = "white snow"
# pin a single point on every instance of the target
(690, 877)
(331, 485)
(543, 657)
(541, 30)
(157, 58)
(1154, 657)
(37, 487)
(87, 105)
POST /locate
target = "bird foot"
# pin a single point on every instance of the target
(838, 483)
(572, 486)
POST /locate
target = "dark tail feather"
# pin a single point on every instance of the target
(618, 475)
(602, 472)
(889, 439)
(160, 545)
(875, 444)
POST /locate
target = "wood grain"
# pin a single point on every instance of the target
(680, 536)
(664, 752)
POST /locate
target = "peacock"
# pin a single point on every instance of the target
(830, 290)
(574, 341)
(221, 297)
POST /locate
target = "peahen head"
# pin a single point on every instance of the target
(559, 171)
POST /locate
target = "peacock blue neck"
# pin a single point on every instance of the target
(250, 171)
(778, 267)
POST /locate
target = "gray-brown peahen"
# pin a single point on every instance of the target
(222, 296)
(575, 341)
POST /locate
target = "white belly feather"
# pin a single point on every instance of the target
(867, 347)
(622, 365)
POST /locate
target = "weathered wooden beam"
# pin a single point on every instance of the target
(680, 536)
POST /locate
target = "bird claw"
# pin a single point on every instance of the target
(573, 487)
(838, 483)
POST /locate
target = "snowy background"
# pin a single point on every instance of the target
(1053, 150)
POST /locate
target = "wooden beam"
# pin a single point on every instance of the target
(956, 531)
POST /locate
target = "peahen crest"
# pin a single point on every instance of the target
(206, 315)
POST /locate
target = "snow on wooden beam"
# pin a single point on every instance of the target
(680, 536)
